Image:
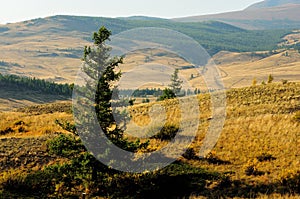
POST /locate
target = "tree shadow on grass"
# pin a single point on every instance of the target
(178, 180)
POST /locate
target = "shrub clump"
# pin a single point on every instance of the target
(297, 116)
(292, 182)
(265, 157)
(168, 132)
(190, 154)
(6, 131)
(64, 145)
(251, 168)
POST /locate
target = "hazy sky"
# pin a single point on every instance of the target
(19, 10)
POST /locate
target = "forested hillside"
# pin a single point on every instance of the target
(214, 36)
(33, 84)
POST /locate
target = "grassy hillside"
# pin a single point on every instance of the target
(212, 35)
(256, 156)
(264, 15)
(260, 119)
(51, 48)
(240, 69)
(237, 70)
(19, 91)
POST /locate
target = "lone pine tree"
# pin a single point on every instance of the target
(100, 67)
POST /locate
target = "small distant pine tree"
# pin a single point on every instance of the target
(196, 91)
(167, 94)
(284, 81)
(174, 88)
(270, 79)
(146, 100)
(199, 91)
(254, 82)
(131, 102)
(286, 53)
(176, 82)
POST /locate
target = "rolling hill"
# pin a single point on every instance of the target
(51, 48)
(272, 3)
(270, 14)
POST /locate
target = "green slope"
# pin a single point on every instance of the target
(214, 36)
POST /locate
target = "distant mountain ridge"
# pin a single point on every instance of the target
(213, 35)
(272, 3)
(141, 18)
(269, 14)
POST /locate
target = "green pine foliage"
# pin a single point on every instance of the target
(39, 85)
(214, 36)
(176, 83)
(65, 145)
(270, 79)
(167, 94)
(101, 68)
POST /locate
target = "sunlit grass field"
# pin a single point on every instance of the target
(259, 142)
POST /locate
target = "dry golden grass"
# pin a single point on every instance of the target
(277, 196)
(274, 196)
(32, 123)
(15, 98)
(260, 120)
(28, 47)
(20, 156)
(239, 69)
